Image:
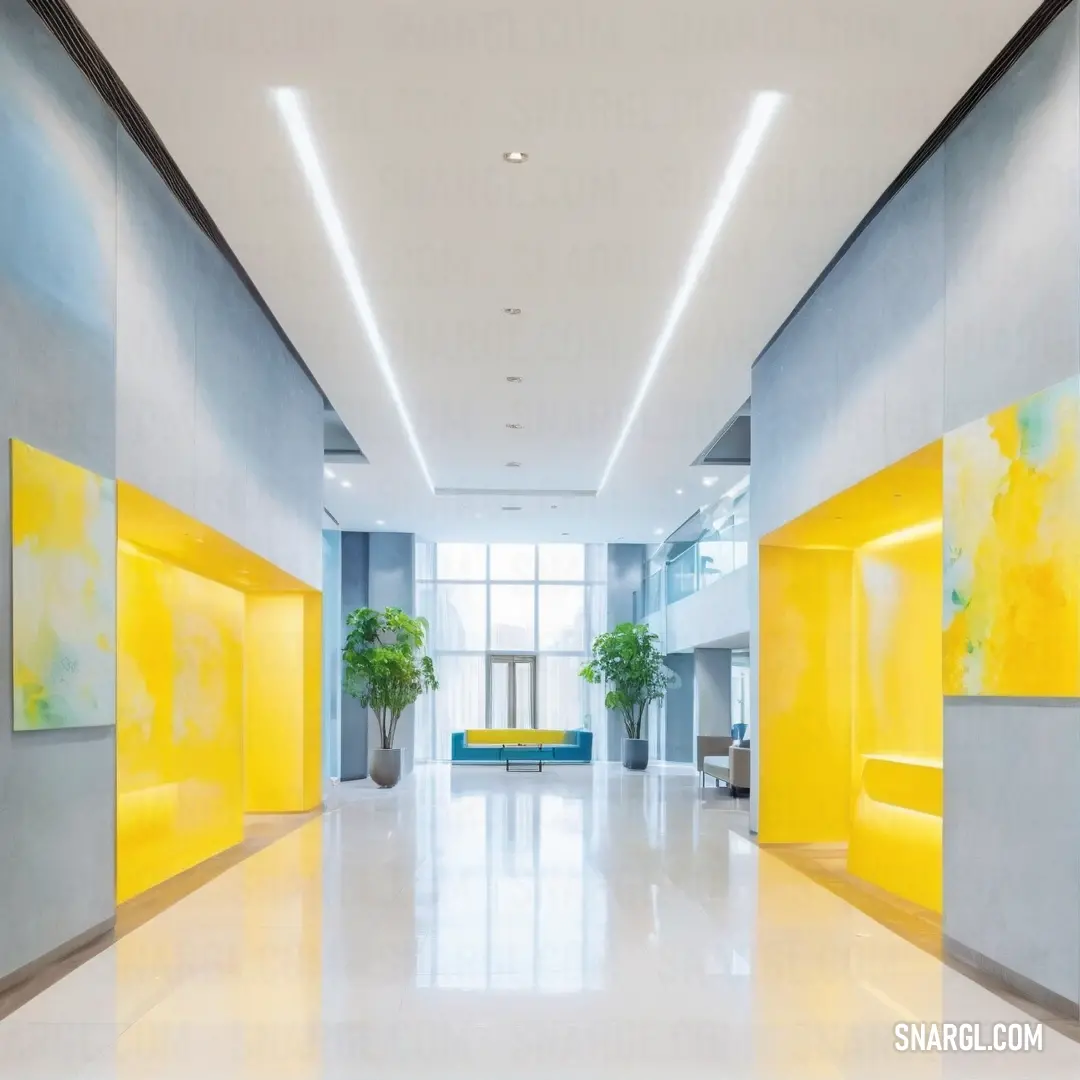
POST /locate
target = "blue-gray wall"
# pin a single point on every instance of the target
(961, 297)
(679, 710)
(126, 346)
(712, 692)
(377, 570)
(625, 576)
(332, 640)
(392, 583)
(354, 594)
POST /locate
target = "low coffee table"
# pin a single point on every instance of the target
(538, 762)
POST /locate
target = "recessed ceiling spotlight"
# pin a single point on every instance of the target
(379, 521)
(710, 481)
(511, 311)
(514, 427)
(514, 378)
(328, 472)
(346, 483)
(659, 532)
(513, 464)
(565, 534)
(515, 157)
(678, 491)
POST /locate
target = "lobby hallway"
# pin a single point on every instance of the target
(582, 922)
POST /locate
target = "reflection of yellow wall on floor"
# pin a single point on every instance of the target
(283, 723)
(896, 761)
(849, 678)
(804, 702)
(179, 719)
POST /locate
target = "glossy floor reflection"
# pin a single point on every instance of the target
(582, 922)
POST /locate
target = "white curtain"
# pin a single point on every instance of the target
(547, 600)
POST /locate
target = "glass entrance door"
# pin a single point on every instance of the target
(511, 691)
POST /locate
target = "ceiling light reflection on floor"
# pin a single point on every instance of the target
(287, 101)
(763, 111)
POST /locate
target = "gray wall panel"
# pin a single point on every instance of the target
(679, 710)
(354, 594)
(391, 583)
(856, 382)
(962, 296)
(155, 336)
(1012, 837)
(57, 392)
(215, 418)
(712, 691)
(1013, 234)
(625, 568)
(127, 347)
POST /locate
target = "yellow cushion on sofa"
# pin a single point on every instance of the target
(511, 736)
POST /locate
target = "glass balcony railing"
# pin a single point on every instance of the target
(721, 550)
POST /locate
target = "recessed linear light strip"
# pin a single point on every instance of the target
(922, 531)
(762, 113)
(288, 105)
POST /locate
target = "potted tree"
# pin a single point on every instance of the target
(628, 662)
(386, 670)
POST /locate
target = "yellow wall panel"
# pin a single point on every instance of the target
(179, 732)
(877, 549)
(898, 662)
(804, 698)
(282, 726)
(219, 691)
(897, 769)
(313, 688)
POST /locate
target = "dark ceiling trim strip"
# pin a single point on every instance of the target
(70, 32)
(1021, 41)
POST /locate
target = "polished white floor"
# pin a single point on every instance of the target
(584, 922)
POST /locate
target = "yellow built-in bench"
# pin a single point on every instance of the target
(516, 736)
(896, 826)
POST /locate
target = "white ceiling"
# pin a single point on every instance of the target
(630, 111)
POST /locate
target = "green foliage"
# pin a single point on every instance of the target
(627, 661)
(385, 666)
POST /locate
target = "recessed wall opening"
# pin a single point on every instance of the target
(850, 678)
(219, 668)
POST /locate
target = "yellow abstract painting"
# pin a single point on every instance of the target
(63, 593)
(1011, 583)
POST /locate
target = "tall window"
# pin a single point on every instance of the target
(546, 600)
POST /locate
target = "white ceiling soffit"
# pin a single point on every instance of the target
(691, 168)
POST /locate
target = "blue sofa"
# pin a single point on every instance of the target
(567, 747)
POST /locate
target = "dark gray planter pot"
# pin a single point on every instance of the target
(635, 753)
(384, 767)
